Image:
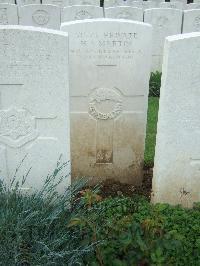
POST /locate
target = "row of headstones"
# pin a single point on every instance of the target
(107, 3)
(62, 3)
(165, 22)
(98, 122)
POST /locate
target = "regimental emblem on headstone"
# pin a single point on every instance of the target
(3, 16)
(83, 14)
(41, 17)
(197, 23)
(124, 15)
(17, 127)
(162, 22)
(105, 105)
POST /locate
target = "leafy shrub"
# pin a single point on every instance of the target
(155, 84)
(131, 231)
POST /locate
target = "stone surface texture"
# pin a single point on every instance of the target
(8, 14)
(27, 2)
(175, 4)
(191, 22)
(177, 160)
(124, 12)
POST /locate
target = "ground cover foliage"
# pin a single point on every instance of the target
(44, 229)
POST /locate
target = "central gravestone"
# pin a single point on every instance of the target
(34, 118)
(109, 70)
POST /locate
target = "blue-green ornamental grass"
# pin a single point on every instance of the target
(34, 228)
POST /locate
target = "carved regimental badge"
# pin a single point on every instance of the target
(105, 104)
(83, 15)
(41, 17)
(17, 127)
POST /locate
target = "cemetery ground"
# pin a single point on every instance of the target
(111, 224)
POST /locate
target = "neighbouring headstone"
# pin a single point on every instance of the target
(175, 4)
(124, 12)
(133, 3)
(34, 117)
(27, 2)
(84, 2)
(7, 1)
(61, 3)
(165, 22)
(81, 12)
(177, 159)
(193, 6)
(191, 21)
(148, 4)
(45, 16)
(157, 2)
(8, 14)
(109, 70)
(182, 1)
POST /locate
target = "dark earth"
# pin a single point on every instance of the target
(113, 188)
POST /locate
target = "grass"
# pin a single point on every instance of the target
(151, 131)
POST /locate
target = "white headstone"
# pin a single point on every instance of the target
(61, 3)
(165, 22)
(44, 16)
(182, 1)
(193, 6)
(175, 4)
(111, 3)
(8, 14)
(84, 2)
(34, 117)
(157, 2)
(109, 70)
(81, 12)
(191, 21)
(177, 159)
(7, 1)
(148, 4)
(124, 12)
(27, 2)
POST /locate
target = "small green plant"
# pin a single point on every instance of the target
(131, 231)
(155, 84)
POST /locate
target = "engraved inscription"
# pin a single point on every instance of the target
(83, 14)
(124, 15)
(17, 127)
(3, 16)
(41, 17)
(105, 104)
(105, 47)
(197, 23)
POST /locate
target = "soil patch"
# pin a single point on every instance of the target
(113, 188)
